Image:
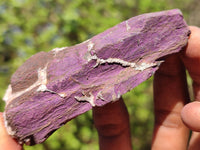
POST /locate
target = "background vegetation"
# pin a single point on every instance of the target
(27, 27)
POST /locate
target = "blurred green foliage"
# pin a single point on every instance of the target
(27, 27)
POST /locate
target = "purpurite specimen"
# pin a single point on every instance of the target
(51, 88)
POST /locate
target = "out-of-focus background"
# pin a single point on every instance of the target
(27, 27)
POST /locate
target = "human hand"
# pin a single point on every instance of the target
(170, 96)
(6, 141)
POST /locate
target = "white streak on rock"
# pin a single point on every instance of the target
(144, 66)
(56, 50)
(42, 75)
(42, 88)
(8, 93)
(41, 82)
(118, 95)
(86, 98)
(27, 141)
(8, 128)
(99, 95)
(42, 78)
(138, 67)
(63, 95)
(99, 61)
(114, 60)
(90, 46)
(127, 26)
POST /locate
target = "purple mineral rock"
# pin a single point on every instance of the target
(53, 87)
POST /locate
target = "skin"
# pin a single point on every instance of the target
(172, 119)
(171, 94)
(173, 115)
(112, 124)
(6, 141)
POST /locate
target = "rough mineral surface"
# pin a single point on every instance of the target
(53, 87)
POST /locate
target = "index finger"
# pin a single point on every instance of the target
(170, 95)
(191, 112)
(191, 58)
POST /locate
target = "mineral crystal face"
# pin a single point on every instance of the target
(53, 87)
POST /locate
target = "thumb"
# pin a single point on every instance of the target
(190, 115)
(6, 141)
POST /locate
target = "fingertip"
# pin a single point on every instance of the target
(6, 141)
(190, 115)
(192, 50)
(194, 28)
